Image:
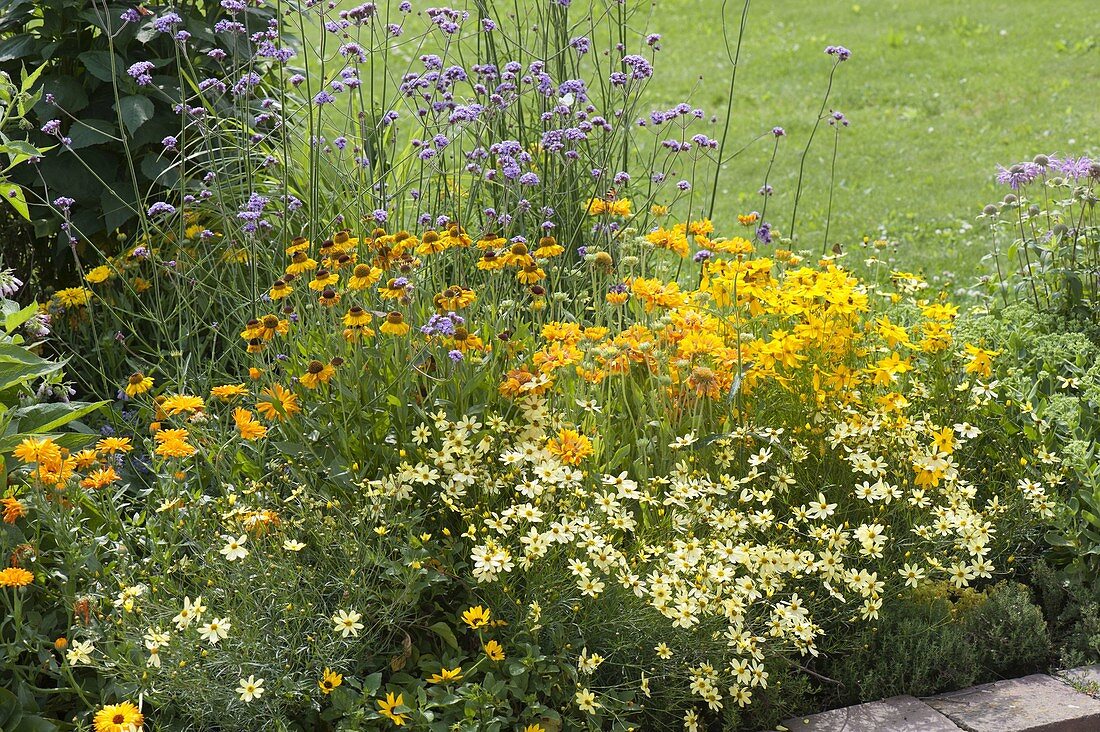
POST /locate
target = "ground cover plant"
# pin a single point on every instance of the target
(444, 388)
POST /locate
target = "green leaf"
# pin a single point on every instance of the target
(136, 111)
(15, 354)
(27, 81)
(10, 709)
(13, 194)
(116, 212)
(48, 417)
(16, 317)
(444, 631)
(17, 47)
(69, 94)
(34, 723)
(19, 147)
(371, 684)
(98, 64)
(1057, 538)
(92, 132)
(18, 372)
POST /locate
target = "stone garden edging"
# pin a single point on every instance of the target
(1065, 702)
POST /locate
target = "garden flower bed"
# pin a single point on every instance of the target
(421, 389)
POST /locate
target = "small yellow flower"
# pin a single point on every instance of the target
(476, 617)
(494, 651)
(446, 675)
(98, 274)
(395, 325)
(329, 681)
(138, 383)
(386, 708)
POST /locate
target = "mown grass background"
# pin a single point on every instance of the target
(938, 92)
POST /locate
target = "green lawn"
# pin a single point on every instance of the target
(938, 93)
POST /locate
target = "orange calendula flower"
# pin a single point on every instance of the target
(111, 445)
(173, 443)
(100, 478)
(229, 391)
(278, 403)
(15, 577)
(13, 509)
(123, 717)
(85, 459)
(138, 383)
(247, 425)
(571, 446)
(41, 450)
(181, 404)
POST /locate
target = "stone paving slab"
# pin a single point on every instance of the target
(1036, 703)
(1087, 677)
(896, 714)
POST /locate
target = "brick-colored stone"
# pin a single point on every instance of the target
(1036, 703)
(896, 714)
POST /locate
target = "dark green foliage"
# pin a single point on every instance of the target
(1071, 605)
(941, 639)
(114, 162)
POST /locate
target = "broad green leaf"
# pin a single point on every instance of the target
(136, 111)
(13, 194)
(1057, 538)
(18, 373)
(19, 147)
(15, 354)
(17, 316)
(48, 417)
(34, 723)
(92, 132)
(98, 64)
(444, 631)
(17, 47)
